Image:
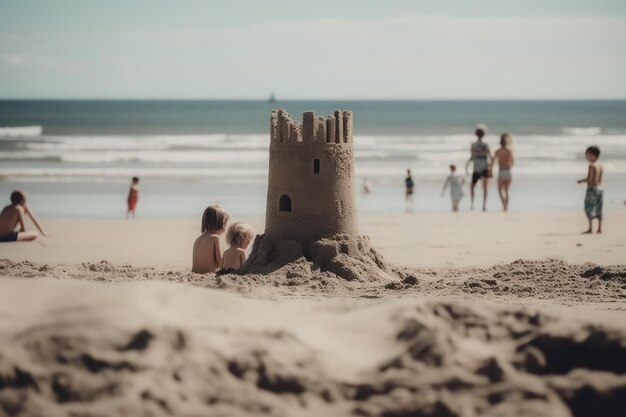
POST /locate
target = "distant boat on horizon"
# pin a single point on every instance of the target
(272, 98)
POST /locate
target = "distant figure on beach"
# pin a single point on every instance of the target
(504, 156)
(367, 186)
(133, 197)
(207, 253)
(12, 216)
(238, 237)
(480, 157)
(456, 188)
(594, 197)
(408, 184)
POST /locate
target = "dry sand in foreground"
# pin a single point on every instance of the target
(72, 348)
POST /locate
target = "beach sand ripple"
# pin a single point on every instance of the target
(76, 347)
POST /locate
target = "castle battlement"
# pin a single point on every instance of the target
(334, 129)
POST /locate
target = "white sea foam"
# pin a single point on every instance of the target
(582, 131)
(223, 155)
(154, 172)
(20, 131)
(101, 157)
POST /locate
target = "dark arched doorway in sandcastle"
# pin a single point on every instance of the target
(311, 205)
(284, 204)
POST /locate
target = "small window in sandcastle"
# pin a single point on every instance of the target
(284, 204)
(316, 166)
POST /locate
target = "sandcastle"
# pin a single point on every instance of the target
(311, 205)
(310, 191)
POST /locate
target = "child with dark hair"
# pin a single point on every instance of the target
(133, 196)
(13, 216)
(480, 157)
(207, 254)
(594, 197)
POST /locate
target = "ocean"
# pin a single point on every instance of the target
(75, 158)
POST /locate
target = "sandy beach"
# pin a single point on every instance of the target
(345, 133)
(413, 240)
(484, 314)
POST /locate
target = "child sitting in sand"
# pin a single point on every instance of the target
(207, 254)
(594, 197)
(456, 188)
(13, 216)
(133, 196)
(239, 236)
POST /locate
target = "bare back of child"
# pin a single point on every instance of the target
(207, 253)
(239, 236)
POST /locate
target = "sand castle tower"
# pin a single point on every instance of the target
(311, 207)
(310, 191)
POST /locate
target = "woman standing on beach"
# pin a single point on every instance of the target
(480, 157)
(504, 156)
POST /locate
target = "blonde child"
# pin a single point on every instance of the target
(12, 216)
(207, 254)
(239, 236)
(456, 188)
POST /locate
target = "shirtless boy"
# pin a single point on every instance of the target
(594, 197)
(207, 254)
(12, 216)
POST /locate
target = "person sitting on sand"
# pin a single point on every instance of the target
(594, 197)
(13, 216)
(133, 197)
(456, 188)
(481, 158)
(207, 254)
(238, 236)
(504, 156)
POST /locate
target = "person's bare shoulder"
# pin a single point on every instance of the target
(206, 239)
(13, 210)
(200, 240)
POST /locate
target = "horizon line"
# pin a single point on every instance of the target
(303, 99)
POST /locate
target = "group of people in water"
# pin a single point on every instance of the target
(239, 235)
(483, 163)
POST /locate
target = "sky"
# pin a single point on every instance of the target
(246, 49)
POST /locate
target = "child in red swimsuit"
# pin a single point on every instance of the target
(133, 197)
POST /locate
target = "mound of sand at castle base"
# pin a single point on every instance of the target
(71, 348)
(532, 281)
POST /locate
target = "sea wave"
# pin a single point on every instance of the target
(582, 131)
(236, 155)
(21, 131)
